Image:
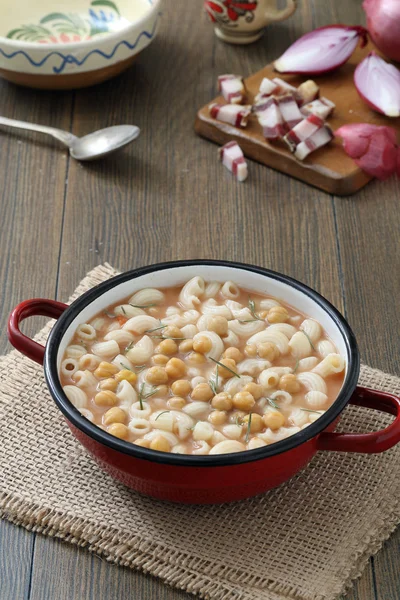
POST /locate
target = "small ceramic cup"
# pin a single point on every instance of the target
(243, 21)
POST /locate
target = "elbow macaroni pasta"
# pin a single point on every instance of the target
(201, 370)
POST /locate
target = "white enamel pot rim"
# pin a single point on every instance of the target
(178, 272)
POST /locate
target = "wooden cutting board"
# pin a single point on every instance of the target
(328, 168)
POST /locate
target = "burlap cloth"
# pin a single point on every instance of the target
(307, 539)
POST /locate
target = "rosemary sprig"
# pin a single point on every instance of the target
(296, 366)
(125, 367)
(156, 328)
(161, 413)
(252, 309)
(129, 346)
(311, 411)
(214, 383)
(143, 397)
(272, 402)
(142, 305)
(123, 310)
(140, 368)
(246, 439)
(168, 337)
(225, 367)
(249, 321)
(309, 339)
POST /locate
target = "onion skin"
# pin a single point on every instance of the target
(373, 148)
(383, 21)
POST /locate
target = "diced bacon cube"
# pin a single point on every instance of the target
(322, 108)
(308, 91)
(285, 88)
(290, 111)
(320, 138)
(303, 130)
(233, 159)
(270, 119)
(230, 113)
(267, 89)
(232, 88)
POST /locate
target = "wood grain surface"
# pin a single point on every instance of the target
(167, 197)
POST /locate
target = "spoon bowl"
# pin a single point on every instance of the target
(102, 142)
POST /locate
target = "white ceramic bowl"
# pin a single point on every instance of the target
(73, 43)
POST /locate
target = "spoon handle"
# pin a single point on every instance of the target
(63, 136)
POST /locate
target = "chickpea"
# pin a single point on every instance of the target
(250, 350)
(243, 401)
(289, 383)
(196, 358)
(218, 324)
(126, 375)
(162, 390)
(157, 375)
(119, 430)
(268, 351)
(257, 423)
(175, 368)
(278, 314)
(233, 353)
(114, 415)
(160, 443)
(202, 392)
(217, 417)
(186, 346)
(226, 373)
(202, 344)
(222, 401)
(172, 331)
(181, 387)
(254, 389)
(273, 419)
(176, 403)
(105, 369)
(167, 347)
(108, 384)
(143, 443)
(106, 398)
(263, 314)
(160, 359)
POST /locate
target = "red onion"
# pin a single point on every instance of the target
(378, 83)
(321, 50)
(383, 18)
(372, 147)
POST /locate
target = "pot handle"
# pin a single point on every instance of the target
(30, 308)
(369, 443)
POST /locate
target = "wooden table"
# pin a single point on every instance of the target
(166, 197)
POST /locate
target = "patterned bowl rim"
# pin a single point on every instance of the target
(154, 7)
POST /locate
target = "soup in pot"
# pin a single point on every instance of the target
(204, 368)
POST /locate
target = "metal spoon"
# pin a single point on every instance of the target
(89, 147)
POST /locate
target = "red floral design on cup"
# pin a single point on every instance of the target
(243, 21)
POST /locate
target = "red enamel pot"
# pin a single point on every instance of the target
(217, 478)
